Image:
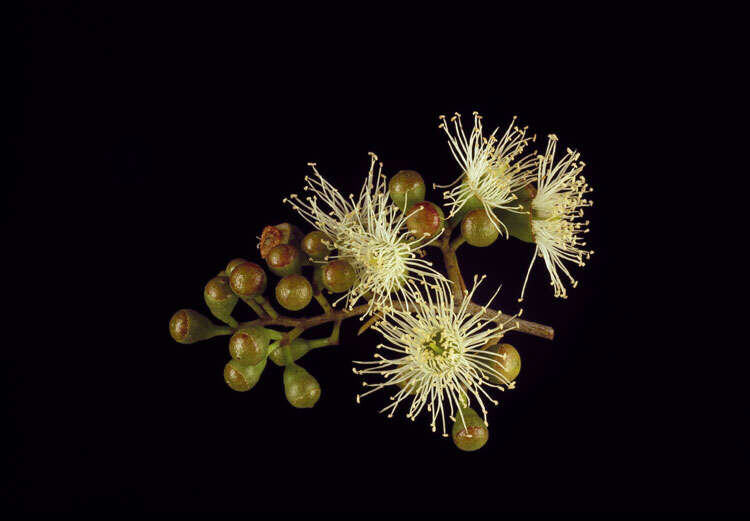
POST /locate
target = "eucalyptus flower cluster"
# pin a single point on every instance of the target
(441, 355)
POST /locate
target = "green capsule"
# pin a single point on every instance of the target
(221, 300)
(243, 377)
(294, 292)
(301, 388)
(406, 188)
(284, 259)
(248, 279)
(478, 229)
(315, 245)
(248, 345)
(470, 433)
(188, 326)
(338, 276)
(425, 219)
(297, 349)
(509, 365)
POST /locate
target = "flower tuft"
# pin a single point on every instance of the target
(439, 356)
(370, 233)
(491, 167)
(555, 210)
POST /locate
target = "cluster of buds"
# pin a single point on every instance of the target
(442, 352)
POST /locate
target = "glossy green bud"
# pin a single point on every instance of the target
(406, 188)
(233, 264)
(425, 219)
(294, 292)
(338, 276)
(248, 279)
(297, 349)
(243, 377)
(283, 233)
(220, 299)
(188, 326)
(301, 388)
(315, 245)
(478, 229)
(509, 366)
(249, 344)
(284, 259)
(470, 434)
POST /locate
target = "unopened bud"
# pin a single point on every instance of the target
(188, 326)
(508, 365)
(220, 299)
(233, 264)
(249, 344)
(248, 279)
(338, 276)
(316, 245)
(301, 388)
(469, 431)
(284, 259)
(294, 292)
(425, 219)
(406, 188)
(243, 377)
(478, 229)
(297, 349)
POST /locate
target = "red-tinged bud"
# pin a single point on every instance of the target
(284, 259)
(188, 326)
(469, 431)
(338, 276)
(406, 188)
(248, 279)
(242, 377)
(294, 292)
(316, 245)
(425, 219)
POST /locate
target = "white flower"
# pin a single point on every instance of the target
(491, 172)
(555, 210)
(370, 233)
(437, 357)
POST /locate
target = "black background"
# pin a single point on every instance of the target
(153, 145)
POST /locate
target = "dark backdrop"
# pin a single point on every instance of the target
(154, 144)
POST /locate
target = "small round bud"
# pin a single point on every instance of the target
(242, 377)
(315, 245)
(338, 276)
(233, 264)
(248, 345)
(471, 433)
(188, 326)
(509, 366)
(406, 188)
(284, 259)
(297, 349)
(220, 299)
(477, 228)
(294, 292)
(248, 279)
(425, 219)
(301, 388)
(283, 233)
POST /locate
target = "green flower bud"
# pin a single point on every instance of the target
(301, 388)
(509, 366)
(242, 377)
(188, 326)
(248, 279)
(425, 219)
(470, 434)
(248, 345)
(477, 228)
(294, 292)
(297, 349)
(283, 233)
(284, 259)
(233, 264)
(220, 299)
(315, 245)
(406, 188)
(338, 276)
